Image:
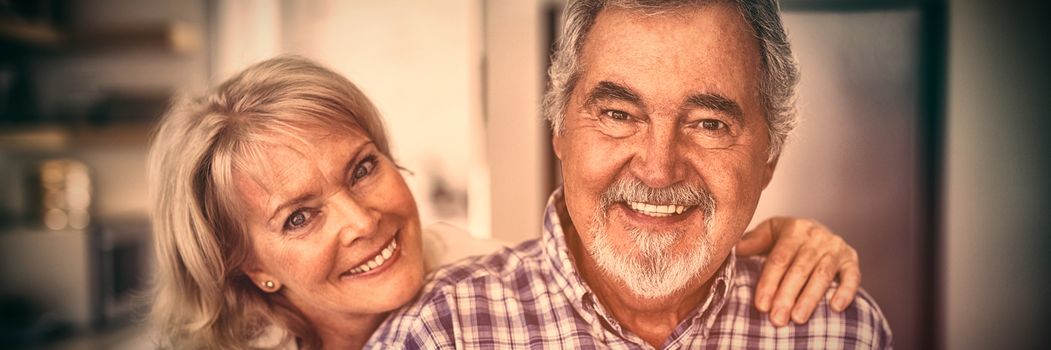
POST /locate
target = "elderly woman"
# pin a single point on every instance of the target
(282, 221)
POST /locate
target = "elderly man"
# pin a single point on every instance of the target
(669, 117)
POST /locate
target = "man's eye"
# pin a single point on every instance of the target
(617, 115)
(298, 219)
(712, 124)
(364, 168)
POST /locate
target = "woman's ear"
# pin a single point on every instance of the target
(260, 278)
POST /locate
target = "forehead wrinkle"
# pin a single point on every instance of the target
(731, 36)
(259, 165)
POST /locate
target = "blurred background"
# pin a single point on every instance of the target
(922, 142)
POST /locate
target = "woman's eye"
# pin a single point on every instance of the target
(298, 219)
(364, 168)
(617, 115)
(712, 124)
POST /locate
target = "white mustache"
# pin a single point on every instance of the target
(630, 189)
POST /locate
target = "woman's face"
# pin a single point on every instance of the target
(334, 224)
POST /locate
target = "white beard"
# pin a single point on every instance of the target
(652, 270)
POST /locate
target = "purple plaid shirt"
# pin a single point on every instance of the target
(532, 296)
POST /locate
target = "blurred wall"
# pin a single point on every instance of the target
(997, 249)
(852, 163)
(420, 63)
(515, 131)
(458, 83)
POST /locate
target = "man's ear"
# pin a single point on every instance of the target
(556, 144)
(768, 172)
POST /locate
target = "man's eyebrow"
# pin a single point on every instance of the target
(610, 90)
(716, 102)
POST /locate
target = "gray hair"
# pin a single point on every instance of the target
(779, 71)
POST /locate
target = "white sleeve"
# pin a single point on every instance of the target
(274, 338)
(444, 243)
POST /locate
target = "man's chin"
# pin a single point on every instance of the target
(644, 287)
(652, 264)
(650, 277)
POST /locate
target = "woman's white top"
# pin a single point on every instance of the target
(437, 251)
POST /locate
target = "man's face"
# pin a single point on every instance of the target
(664, 151)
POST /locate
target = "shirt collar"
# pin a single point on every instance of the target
(557, 252)
(553, 239)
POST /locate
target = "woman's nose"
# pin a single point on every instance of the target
(355, 219)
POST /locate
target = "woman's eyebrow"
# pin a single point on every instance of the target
(354, 156)
(300, 199)
(293, 202)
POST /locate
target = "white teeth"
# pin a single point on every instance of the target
(377, 260)
(657, 210)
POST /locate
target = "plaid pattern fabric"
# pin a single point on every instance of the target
(532, 297)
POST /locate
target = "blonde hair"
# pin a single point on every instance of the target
(202, 298)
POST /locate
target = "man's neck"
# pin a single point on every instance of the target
(652, 319)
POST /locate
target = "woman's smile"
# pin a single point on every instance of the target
(377, 263)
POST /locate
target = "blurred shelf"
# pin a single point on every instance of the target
(33, 138)
(38, 35)
(126, 134)
(171, 36)
(175, 37)
(50, 138)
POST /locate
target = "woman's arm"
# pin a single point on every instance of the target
(803, 258)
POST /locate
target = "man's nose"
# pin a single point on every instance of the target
(355, 220)
(659, 164)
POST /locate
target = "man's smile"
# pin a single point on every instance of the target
(657, 210)
(654, 216)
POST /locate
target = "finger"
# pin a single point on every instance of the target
(849, 281)
(758, 241)
(792, 283)
(777, 263)
(831, 244)
(816, 289)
